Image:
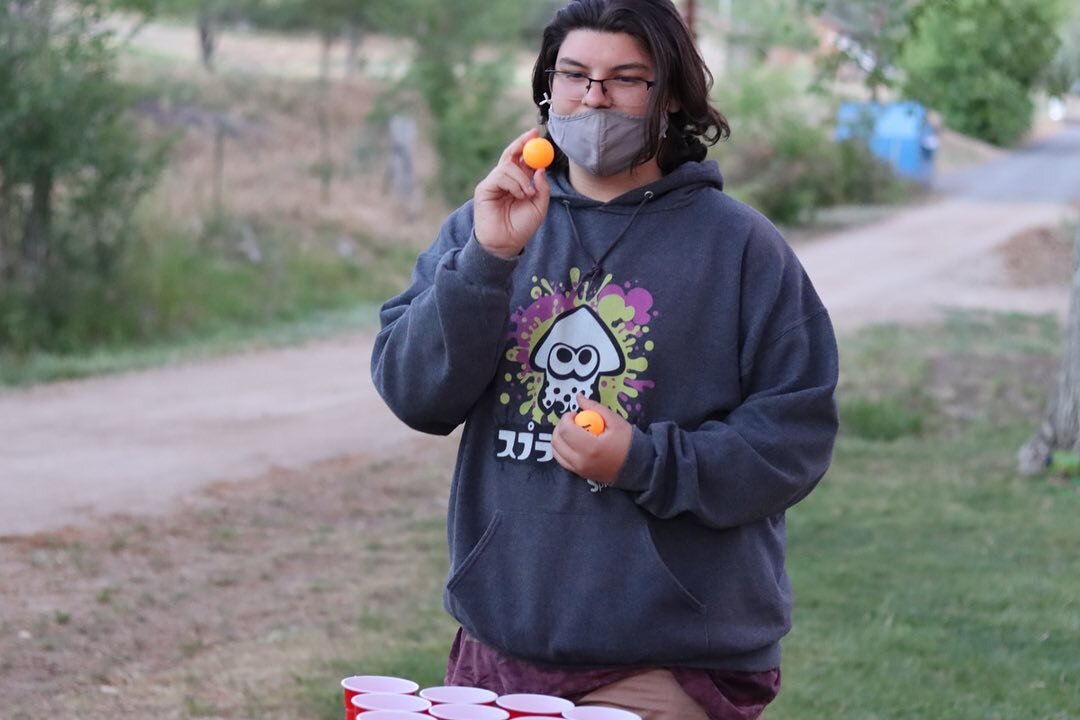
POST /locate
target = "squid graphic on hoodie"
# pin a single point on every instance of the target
(574, 353)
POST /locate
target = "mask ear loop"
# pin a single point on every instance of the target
(539, 113)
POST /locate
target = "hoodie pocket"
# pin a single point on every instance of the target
(576, 589)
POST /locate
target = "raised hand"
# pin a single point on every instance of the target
(510, 204)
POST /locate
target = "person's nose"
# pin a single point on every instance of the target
(595, 96)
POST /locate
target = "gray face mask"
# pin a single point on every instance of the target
(603, 141)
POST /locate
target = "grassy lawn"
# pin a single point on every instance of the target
(227, 337)
(930, 580)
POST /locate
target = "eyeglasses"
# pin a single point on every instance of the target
(621, 90)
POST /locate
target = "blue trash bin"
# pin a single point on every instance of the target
(900, 133)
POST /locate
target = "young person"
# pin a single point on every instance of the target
(642, 567)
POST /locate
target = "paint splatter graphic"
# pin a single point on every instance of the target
(625, 310)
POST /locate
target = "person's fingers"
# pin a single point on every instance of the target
(573, 439)
(587, 403)
(542, 186)
(512, 153)
(562, 459)
(609, 415)
(507, 179)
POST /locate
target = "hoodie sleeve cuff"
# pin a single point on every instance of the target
(482, 267)
(636, 470)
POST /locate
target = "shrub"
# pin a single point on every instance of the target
(781, 158)
(976, 61)
(883, 419)
(73, 167)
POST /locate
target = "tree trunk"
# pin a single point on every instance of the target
(1060, 430)
(217, 185)
(207, 37)
(353, 37)
(326, 48)
(35, 241)
(326, 163)
(7, 232)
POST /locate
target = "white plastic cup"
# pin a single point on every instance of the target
(525, 704)
(594, 712)
(390, 701)
(458, 695)
(362, 684)
(468, 712)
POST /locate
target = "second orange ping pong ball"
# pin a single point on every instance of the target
(538, 153)
(590, 420)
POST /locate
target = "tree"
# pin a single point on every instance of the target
(208, 15)
(460, 70)
(71, 168)
(1060, 429)
(1062, 75)
(330, 20)
(873, 37)
(757, 26)
(977, 62)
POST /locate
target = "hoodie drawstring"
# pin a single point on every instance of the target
(597, 269)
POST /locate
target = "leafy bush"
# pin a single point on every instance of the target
(781, 158)
(976, 61)
(175, 285)
(884, 419)
(243, 272)
(73, 166)
(460, 74)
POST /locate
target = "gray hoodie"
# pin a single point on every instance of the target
(686, 312)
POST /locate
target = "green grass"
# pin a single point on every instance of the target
(226, 338)
(930, 580)
(181, 297)
(405, 634)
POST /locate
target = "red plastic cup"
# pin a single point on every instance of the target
(593, 712)
(362, 684)
(525, 704)
(390, 701)
(452, 711)
(390, 715)
(458, 695)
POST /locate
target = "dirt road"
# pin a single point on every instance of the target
(142, 442)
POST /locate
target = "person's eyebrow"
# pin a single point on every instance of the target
(618, 68)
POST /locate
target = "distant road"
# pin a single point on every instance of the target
(1047, 171)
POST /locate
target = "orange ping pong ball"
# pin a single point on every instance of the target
(538, 153)
(591, 421)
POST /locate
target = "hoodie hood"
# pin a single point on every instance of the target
(674, 189)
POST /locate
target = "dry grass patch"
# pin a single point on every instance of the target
(216, 609)
(274, 153)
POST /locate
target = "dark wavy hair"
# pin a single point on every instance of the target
(681, 74)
